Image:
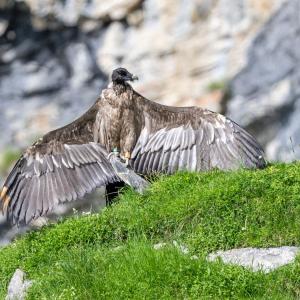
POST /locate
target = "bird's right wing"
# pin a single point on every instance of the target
(62, 166)
(39, 181)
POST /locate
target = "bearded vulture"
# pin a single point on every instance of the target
(71, 161)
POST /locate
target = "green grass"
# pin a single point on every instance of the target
(220, 85)
(111, 256)
(8, 157)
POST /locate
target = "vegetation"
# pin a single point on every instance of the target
(220, 85)
(8, 157)
(111, 255)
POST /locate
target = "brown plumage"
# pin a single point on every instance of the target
(71, 161)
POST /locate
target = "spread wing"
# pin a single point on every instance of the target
(191, 139)
(62, 166)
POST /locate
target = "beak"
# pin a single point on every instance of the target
(134, 77)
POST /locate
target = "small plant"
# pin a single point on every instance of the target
(219, 85)
(7, 158)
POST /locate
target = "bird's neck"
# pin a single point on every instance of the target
(120, 95)
(119, 87)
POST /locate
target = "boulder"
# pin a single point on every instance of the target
(18, 286)
(257, 259)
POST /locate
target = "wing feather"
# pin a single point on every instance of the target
(202, 140)
(39, 181)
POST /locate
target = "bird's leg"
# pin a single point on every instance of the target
(115, 152)
(112, 191)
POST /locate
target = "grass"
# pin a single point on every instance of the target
(220, 85)
(111, 256)
(8, 157)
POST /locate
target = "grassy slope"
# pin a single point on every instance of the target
(111, 255)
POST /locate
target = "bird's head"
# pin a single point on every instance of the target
(121, 75)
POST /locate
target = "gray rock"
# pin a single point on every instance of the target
(182, 248)
(18, 286)
(159, 246)
(266, 92)
(63, 54)
(3, 26)
(70, 12)
(194, 257)
(257, 259)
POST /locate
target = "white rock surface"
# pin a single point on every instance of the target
(18, 286)
(183, 248)
(159, 246)
(265, 259)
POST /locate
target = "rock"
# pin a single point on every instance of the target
(112, 49)
(3, 26)
(39, 222)
(51, 14)
(118, 248)
(181, 51)
(81, 64)
(184, 249)
(64, 51)
(115, 9)
(257, 259)
(265, 93)
(18, 286)
(159, 246)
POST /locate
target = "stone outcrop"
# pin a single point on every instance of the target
(18, 286)
(258, 259)
(265, 93)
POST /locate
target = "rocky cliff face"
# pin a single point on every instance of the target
(56, 55)
(266, 92)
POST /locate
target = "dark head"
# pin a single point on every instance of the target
(121, 75)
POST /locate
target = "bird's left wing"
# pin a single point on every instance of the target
(192, 139)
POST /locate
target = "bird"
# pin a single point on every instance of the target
(69, 162)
